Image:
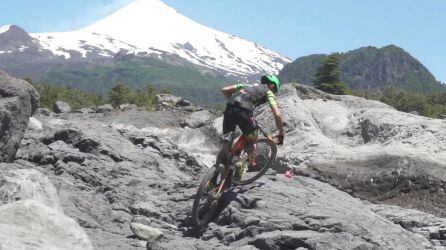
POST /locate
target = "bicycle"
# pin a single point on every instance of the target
(220, 177)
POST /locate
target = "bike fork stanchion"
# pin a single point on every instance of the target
(223, 182)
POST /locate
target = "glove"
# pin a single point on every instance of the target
(280, 139)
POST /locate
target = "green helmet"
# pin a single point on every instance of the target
(271, 79)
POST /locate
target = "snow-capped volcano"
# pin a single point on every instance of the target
(151, 27)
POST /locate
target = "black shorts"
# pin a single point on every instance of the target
(236, 116)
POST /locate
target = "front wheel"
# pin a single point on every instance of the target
(206, 200)
(266, 151)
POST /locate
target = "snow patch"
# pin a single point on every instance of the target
(4, 28)
(22, 48)
(60, 43)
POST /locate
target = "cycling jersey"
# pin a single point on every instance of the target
(250, 96)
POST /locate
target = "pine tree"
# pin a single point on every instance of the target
(328, 76)
(120, 94)
(144, 97)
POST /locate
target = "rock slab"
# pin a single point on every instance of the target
(31, 225)
(18, 101)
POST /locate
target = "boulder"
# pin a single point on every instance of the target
(167, 101)
(34, 124)
(84, 111)
(24, 184)
(44, 111)
(147, 233)
(18, 102)
(61, 107)
(31, 225)
(184, 103)
(197, 119)
(127, 106)
(106, 108)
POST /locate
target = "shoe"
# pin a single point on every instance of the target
(239, 168)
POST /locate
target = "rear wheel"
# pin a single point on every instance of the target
(265, 154)
(206, 200)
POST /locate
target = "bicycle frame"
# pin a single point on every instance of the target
(235, 151)
(218, 178)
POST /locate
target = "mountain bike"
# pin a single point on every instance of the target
(220, 177)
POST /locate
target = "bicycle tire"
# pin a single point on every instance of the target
(203, 191)
(273, 147)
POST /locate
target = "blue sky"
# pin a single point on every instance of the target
(293, 28)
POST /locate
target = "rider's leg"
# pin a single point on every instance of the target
(252, 150)
(229, 125)
(248, 125)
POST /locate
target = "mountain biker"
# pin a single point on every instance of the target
(242, 100)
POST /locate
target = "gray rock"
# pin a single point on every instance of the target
(183, 103)
(106, 108)
(61, 107)
(43, 111)
(34, 124)
(23, 184)
(127, 106)
(84, 111)
(146, 233)
(198, 119)
(30, 225)
(167, 101)
(18, 101)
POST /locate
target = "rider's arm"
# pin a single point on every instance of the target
(228, 90)
(271, 99)
(278, 119)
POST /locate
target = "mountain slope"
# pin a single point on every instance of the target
(151, 27)
(182, 78)
(369, 68)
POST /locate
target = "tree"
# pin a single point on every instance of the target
(145, 97)
(328, 76)
(120, 94)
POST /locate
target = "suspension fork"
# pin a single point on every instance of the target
(223, 182)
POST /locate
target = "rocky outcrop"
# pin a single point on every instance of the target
(18, 101)
(364, 147)
(131, 187)
(130, 184)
